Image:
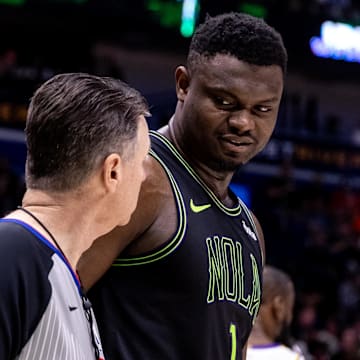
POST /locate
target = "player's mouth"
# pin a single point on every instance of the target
(235, 143)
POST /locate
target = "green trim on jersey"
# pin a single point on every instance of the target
(229, 211)
(176, 240)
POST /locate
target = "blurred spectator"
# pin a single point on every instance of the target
(312, 232)
(349, 345)
(11, 188)
(349, 296)
(270, 338)
(7, 62)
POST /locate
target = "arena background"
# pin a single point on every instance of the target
(304, 187)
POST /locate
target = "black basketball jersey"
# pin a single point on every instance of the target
(197, 295)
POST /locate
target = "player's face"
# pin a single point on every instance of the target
(229, 110)
(285, 330)
(134, 173)
(290, 301)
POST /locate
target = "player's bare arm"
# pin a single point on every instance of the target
(139, 235)
(261, 238)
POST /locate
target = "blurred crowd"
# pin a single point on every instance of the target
(312, 231)
(11, 187)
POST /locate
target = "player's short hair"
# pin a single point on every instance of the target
(275, 283)
(246, 37)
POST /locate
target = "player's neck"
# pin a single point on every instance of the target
(259, 337)
(217, 182)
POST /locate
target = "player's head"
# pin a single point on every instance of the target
(243, 36)
(229, 93)
(278, 296)
(74, 122)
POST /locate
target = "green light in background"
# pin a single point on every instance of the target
(13, 2)
(187, 28)
(71, 2)
(253, 9)
(190, 10)
(167, 12)
(175, 14)
(154, 5)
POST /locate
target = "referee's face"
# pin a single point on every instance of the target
(134, 173)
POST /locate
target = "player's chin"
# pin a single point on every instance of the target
(228, 164)
(242, 159)
(234, 160)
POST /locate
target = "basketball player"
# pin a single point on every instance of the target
(274, 319)
(87, 139)
(183, 278)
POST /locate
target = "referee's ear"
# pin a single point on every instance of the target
(112, 173)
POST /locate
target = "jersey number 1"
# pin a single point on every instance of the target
(233, 341)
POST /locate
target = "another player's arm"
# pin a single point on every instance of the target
(99, 257)
(261, 238)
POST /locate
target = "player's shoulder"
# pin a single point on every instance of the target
(156, 185)
(288, 353)
(272, 352)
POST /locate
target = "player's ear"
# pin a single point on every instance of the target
(112, 171)
(182, 82)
